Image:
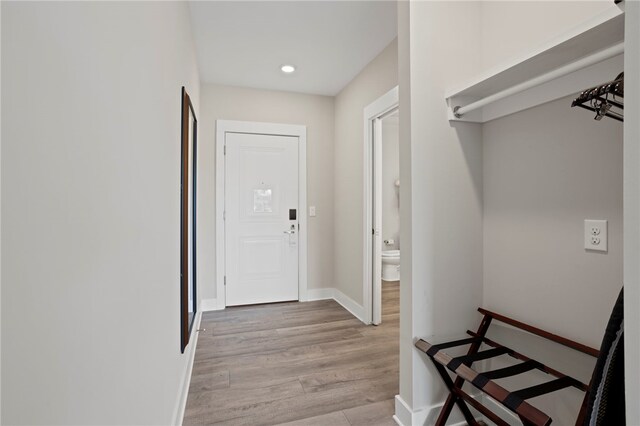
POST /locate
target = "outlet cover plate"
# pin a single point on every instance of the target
(595, 235)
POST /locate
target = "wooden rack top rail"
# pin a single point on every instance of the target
(542, 333)
(515, 401)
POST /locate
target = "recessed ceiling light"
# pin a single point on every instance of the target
(288, 69)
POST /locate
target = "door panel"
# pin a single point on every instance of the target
(261, 186)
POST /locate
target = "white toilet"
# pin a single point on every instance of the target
(391, 265)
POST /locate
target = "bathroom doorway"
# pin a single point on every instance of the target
(382, 208)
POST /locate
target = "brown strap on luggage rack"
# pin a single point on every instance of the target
(514, 401)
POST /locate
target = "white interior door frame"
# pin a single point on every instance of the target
(229, 126)
(372, 196)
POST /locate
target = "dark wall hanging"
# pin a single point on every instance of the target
(188, 299)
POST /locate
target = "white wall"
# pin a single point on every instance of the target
(441, 208)
(632, 212)
(442, 203)
(546, 170)
(0, 231)
(91, 210)
(404, 400)
(244, 104)
(390, 174)
(376, 79)
(511, 28)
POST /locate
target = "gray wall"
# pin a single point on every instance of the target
(546, 170)
(632, 212)
(376, 79)
(244, 104)
(91, 211)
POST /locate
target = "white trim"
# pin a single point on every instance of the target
(345, 301)
(320, 294)
(564, 65)
(371, 286)
(207, 305)
(553, 90)
(228, 126)
(585, 62)
(220, 253)
(302, 209)
(606, 15)
(405, 416)
(349, 304)
(181, 403)
(404, 413)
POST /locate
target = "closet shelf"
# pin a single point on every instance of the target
(582, 57)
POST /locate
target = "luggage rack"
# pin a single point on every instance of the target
(484, 381)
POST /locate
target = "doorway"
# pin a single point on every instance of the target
(260, 213)
(381, 110)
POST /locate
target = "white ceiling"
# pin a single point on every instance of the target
(244, 43)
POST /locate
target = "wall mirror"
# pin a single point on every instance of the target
(188, 299)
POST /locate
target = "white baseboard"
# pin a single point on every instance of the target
(190, 353)
(320, 294)
(349, 304)
(210, 305)
(405, 416)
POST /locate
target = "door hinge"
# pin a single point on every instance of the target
(224, 215)
(373, 232)
(224, 150)
(225, 280)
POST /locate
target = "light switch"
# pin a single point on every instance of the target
(312, 211)
(595, 235)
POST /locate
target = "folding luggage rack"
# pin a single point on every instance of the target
(484, 381)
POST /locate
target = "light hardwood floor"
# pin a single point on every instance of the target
(307, 363)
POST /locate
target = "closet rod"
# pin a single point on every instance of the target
(600, 56)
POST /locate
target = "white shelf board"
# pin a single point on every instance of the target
(601, 32)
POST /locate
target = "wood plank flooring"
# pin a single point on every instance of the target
(300, 364)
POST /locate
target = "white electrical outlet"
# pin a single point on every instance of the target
(312, 211)
(595, 235)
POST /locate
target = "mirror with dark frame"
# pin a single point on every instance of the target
(188, 299)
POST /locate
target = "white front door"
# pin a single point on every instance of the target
(261, 218)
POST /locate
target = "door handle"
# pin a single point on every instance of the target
(293, 239)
